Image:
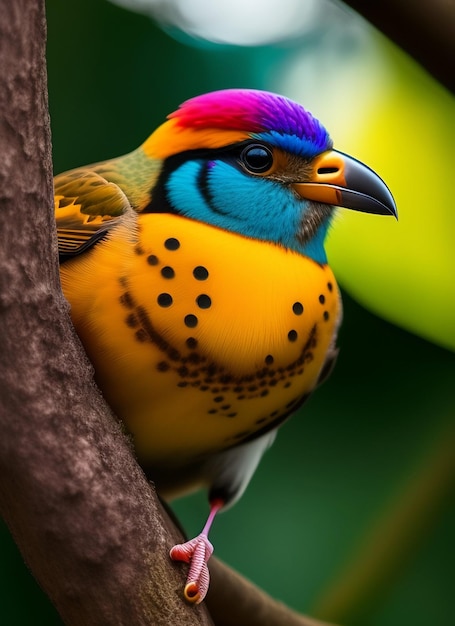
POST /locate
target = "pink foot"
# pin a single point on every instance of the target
(197, 552)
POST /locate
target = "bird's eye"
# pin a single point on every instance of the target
(257, 158)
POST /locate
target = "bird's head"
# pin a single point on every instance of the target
(260, 165)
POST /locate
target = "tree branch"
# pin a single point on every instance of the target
(425, 30)
(234, 601)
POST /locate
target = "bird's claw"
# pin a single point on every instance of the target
(197, 552)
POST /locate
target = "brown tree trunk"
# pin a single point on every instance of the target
(86, 520)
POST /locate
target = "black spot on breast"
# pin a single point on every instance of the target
(148, 327)
(172, 244)
(191, 342)
(164, 300)
(204, 301)
(141, 335)
(173, 354)
(200, 273)
(167, 272)
(131, 320)
(126, 300)
(152, 259)
(190, 321)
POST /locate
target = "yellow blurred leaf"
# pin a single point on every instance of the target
(404, 271)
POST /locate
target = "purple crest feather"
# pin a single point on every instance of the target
(261, 114)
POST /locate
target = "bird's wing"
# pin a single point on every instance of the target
(86, 207)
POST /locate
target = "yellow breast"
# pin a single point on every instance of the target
(200, 338)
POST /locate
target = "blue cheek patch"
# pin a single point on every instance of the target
(217, 193)
(183, 192)
(252, 201)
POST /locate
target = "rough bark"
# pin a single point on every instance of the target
(86, 520)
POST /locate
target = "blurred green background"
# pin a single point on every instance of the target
(349, 517)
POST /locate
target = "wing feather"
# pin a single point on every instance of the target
(86, 207)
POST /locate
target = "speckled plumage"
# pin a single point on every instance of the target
(198, 281)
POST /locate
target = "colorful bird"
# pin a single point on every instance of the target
(199, 286)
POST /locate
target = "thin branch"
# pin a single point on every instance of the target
(234, 601)
(425, 30)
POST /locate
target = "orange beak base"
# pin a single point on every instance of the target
(342, 181)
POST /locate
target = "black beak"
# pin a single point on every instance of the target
(340, 180)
